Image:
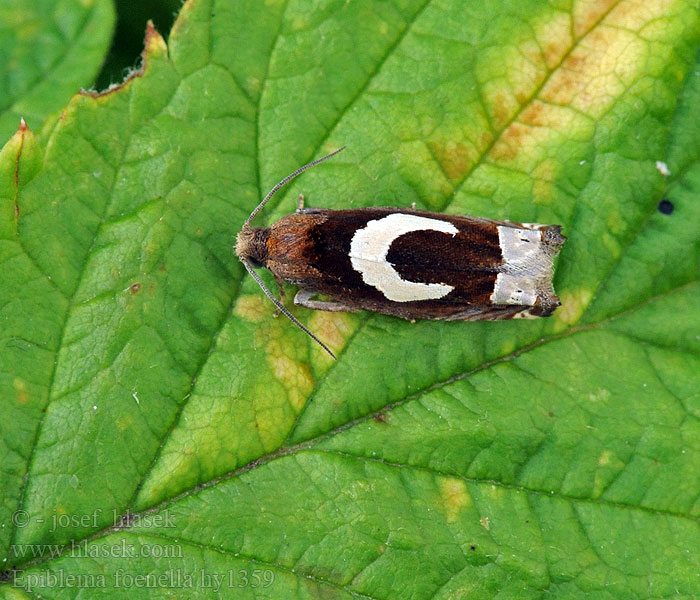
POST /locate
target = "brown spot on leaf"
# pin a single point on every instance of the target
(597, 36)
(574, 61)
(507, 147)
(503, 152)
(500, 110)
(602, 67)
(135, 288)
(561, 86)
(554, 37)
(454, 158)
(522, 96)
(589, 12)
(531, 115)
(553, 52)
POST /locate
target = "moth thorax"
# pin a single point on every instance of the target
(251, 244)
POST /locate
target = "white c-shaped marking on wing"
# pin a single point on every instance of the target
(371, 244)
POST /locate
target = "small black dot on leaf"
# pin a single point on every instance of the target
(666, 206)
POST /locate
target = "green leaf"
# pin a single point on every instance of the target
(144, 378)
(49, 50)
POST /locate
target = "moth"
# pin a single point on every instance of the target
(408, 263)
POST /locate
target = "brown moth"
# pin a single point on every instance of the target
(403, 262)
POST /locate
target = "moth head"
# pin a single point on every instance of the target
(251, 245)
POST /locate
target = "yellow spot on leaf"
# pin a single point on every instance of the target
(572, 306)
(253, 84)
(582, 77)
(252, 308)
(124, 423)
(604, 458)
(333, 329)
(609, 465)
(20, 390)
(168, 463)
(485, 523)
(601, 395)
(597, 72)
(543, 177)
(455, 497)
(292, 374)
(299, 22)
(609, 58)
(637, 15)
(507, 347)
(599, 484)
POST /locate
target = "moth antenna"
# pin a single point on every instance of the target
(282, 183)
(277, 303)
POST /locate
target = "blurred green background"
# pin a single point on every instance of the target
(127, 44)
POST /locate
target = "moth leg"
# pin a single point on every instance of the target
(280, 285)
(493, 313)
(300, 203)
(303, 298)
